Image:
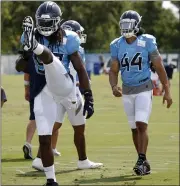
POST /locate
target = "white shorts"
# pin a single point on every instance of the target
(138, 107)
(45, 110)
(58, 80)
(74, 110)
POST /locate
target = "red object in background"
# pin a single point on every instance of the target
(156, 90)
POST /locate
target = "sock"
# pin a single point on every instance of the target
(28, 144)
(142, 156)
(39, 49)
(50, 172)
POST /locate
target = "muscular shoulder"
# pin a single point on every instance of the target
(148, 38)
(116, 41)
(72, 41)
(72, 37)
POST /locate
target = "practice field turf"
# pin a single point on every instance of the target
(108, 140)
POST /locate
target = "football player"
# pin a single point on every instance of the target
(32, 80)
(131, 54)
(76, 117)
(59, 87)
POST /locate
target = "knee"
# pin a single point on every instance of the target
(134, 131)
(79, 130)
(45, 140)
(56, 127)
(141, 127)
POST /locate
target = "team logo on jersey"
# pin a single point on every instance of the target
(141, 43)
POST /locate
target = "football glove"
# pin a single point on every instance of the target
(88, 104)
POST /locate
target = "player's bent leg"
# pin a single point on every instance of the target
(58, 80)
(30, 130)
(55, 135)
(75, 115)
(27, 148)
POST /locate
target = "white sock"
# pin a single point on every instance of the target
(26, 143)
(39, 49)
(50, 172)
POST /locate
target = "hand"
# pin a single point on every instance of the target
(117, 91)
(88, 104)
(168, 99)
(21, 64)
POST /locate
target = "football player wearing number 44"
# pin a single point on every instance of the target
(131, 55)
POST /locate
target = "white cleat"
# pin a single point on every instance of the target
(37, 164)
(30, 42)
(56, 153)
(87, 164)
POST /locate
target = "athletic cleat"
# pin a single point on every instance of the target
(56, 153)
(142, 168)
(51, 182)
(37, 164)
(30, 42)
(87, 164)
(27, 151)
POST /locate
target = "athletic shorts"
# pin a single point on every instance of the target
(138, 107)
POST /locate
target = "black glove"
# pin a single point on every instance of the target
(22, 61)
(88, 104)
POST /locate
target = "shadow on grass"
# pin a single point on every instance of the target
(41, 174)
(4, 160)
(109, 179)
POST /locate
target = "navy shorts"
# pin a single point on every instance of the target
(31, 105)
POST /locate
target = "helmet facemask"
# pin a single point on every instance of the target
(129, 27)
(82, 36)
(46, 26)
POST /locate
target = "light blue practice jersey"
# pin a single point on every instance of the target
(70, 44)
(134, 58)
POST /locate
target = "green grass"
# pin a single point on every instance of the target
(108, 140)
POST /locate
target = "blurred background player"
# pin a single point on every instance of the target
(131, 54)
(3, 97)
(76, 118)
(65, 46)
(157, 90)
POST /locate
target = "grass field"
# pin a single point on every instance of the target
(108, 140)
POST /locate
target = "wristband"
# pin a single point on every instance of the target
(26, 83)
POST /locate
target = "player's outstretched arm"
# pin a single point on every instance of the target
(84, 83)
(113, 78)
(159, 68)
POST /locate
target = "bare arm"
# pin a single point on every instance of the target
(113, 78)
(113, 73)
(80, 69)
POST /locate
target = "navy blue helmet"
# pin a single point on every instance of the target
(76, 27)
(130, 23)
(48, 18)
